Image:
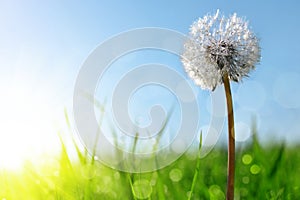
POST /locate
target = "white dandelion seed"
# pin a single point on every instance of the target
(219, 46)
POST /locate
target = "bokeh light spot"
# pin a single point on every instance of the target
(255, 169)
(175, 175)
(247, 159)
(142, 189)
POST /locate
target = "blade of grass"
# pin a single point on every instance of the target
(197, 169)
(160, 187)
(65, 160)
(277, 161)
(131, 186)
(82, 157)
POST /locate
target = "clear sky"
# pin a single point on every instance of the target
(44, 43)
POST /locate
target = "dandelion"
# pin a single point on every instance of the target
(220, 46)
(218, 50)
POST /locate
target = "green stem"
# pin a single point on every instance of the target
(196, 170)
(231, 140)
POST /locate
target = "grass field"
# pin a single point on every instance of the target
(262, 172)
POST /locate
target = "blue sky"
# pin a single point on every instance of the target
(43, 45)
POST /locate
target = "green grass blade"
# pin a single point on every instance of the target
(195, 177)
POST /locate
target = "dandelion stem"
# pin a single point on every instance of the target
(231, 141)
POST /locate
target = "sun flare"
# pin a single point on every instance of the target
(26, 130)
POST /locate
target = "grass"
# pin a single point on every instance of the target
(262, 172)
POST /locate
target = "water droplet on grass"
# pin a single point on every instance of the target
(255, 169)
(142, 189)
(247, 159)
(175, 175)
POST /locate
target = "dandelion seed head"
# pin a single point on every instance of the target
(219, 46)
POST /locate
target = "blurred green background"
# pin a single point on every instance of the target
(42, 47)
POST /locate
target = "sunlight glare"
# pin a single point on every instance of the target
(26, 130)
